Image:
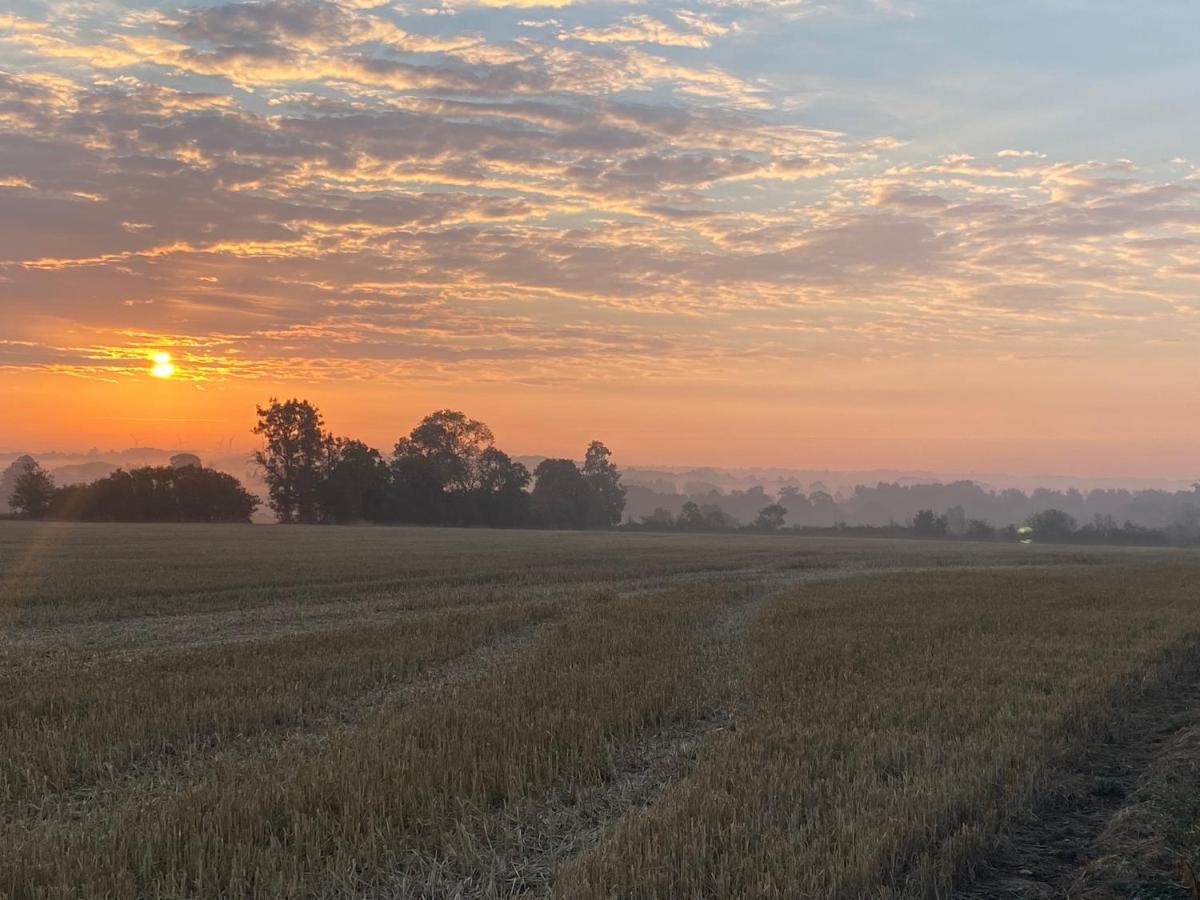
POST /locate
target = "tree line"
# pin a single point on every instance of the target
(446, 471)
(184, 491)
(884, 504)
(1053, 526)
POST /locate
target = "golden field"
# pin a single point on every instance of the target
(195, 711)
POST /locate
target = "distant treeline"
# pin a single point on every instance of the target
(184, 491)
(446, 471)
(1050, 526)
(1176, 514)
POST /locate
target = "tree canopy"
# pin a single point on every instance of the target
(146, 494)
(297, 455)
(446, 471)
(32, 492)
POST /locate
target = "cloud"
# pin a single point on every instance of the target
(643, 29)
(314, 185)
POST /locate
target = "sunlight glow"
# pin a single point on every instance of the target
(163, 367)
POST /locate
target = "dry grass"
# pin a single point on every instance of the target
(897, 723)
(64, 734)
(254, 712)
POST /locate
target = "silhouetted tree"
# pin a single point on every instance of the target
(8, 478)
(798, 506)
(561, 497)
(32, 492)
(296, 458)
(357, 486)
(927, 524)
(824, 507)
(770, 518)
(418, 492)
(1052, 525)
(604, 479)
(453, 443)
(716, 519)
(183, 460)
(691, 518)
(500, 497)
(157, 494)
(437, 469)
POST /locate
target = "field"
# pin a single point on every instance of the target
(193, 711)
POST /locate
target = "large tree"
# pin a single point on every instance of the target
(296, 458)
(8, 478)
(501, 500)
(561, 497)
(32, 492)
(438, 469)
(453, 443)
(356, 488)
(604, 479)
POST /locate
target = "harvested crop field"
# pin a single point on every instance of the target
(194, 711)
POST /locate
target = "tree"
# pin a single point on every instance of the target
(417, 494)
(156, 494)
(453, 443)
(709, 517)
(8, 478)
(32, 492)
(928, 525)
(296, 458)
(437, 469)
(500, 498)
(183, 460)
(770, 518)
(716, 519)
(1052, 525)
(979, 530)
(824, 506)
(797, 504)
(604, 478)
(356, 488)
(691, 518)
(561, 497)
(206, 495)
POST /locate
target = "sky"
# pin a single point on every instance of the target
(942, 234)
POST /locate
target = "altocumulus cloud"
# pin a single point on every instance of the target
(360, 191)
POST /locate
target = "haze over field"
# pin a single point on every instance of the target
(903, 234)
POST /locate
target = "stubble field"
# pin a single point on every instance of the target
(193, 711)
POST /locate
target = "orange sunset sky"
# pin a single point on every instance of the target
(946, 236)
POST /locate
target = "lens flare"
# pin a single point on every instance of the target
(163, 367)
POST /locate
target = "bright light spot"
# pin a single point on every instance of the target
(163, 367)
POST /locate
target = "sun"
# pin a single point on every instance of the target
(163, 367)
